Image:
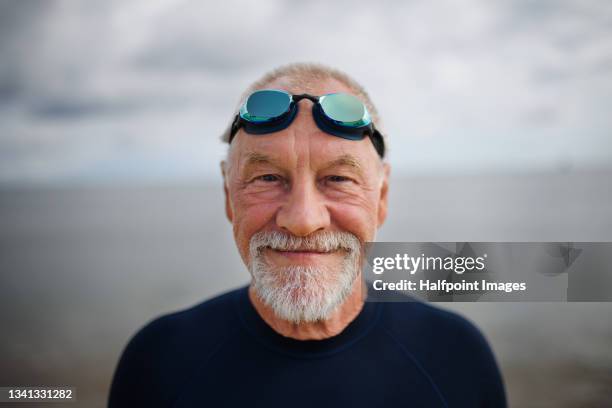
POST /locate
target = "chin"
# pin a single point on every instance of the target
(303, 293)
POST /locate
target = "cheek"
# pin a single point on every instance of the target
(250, 218)
(356, 219)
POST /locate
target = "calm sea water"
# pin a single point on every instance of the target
(83, 268)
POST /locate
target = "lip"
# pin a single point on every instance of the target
(301, 255)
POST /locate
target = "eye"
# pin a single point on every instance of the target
(268, 178)
(338, 179)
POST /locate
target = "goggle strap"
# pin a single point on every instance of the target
(234, 128)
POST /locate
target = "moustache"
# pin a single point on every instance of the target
(326, 241)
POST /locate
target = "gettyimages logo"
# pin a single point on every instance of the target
(413, 264)
(458, 263)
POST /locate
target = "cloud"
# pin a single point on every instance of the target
(118, 90)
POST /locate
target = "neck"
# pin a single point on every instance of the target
(318, 330)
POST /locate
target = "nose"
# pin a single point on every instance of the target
(304, 212)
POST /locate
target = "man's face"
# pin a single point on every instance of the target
(302, 202)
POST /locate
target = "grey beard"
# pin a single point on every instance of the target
(304, 293)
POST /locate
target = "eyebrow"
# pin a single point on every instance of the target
(253, 158)
(344, 160)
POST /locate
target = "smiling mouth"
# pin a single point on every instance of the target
(301, 253)
(316, 251)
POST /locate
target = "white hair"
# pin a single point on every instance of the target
(301, 293)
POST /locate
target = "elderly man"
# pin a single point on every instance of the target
(305, 187)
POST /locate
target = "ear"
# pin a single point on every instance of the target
(384, 195)
(228, 205)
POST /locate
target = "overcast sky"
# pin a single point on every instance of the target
(114, 91)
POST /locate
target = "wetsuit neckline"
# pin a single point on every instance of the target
(360, 326)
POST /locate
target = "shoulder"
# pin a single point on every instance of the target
(167, 349)
(201, 323)
(449, 347)
(434, 323)
(438, 335)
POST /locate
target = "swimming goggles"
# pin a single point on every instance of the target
(339, 114)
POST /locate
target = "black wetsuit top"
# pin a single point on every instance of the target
(220, 353)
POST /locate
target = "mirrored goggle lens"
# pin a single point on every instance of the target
(345, 109)
(265, 105)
